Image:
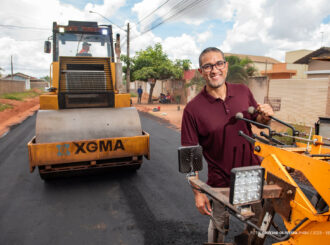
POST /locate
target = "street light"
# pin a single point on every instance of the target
(93, 12)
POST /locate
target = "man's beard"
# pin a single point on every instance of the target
(217, 85)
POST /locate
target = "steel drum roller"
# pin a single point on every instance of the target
(86, 124)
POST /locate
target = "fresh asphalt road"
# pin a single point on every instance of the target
(155, 205)
(152, 206)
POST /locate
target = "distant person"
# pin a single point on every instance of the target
(140, 92)
(85, 49)
(162, 98)
(168, 98)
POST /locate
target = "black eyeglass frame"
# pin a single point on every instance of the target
(209, 67)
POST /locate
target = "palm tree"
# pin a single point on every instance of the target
(239, 69)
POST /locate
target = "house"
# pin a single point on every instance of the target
(279, 71)
(318, 63)
(260, 62)
(18, 77)
(31, 82)
(291, 57)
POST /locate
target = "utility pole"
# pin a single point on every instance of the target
(267, 98)
(321, 38)
(11, 63)
(128, 74)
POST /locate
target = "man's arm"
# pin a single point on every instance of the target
(202, 203)
(189, 137)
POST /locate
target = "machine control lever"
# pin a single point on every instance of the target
(239, 116)
(253, 110)
(248, 138)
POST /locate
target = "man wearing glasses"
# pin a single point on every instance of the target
(209, 120)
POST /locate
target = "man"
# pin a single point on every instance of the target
(85, 49)
(209, 120)
(140, 92)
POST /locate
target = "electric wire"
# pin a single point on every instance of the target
(176, 6)
(24, 27)
(186, 8)
(152, 12)
(179, 8)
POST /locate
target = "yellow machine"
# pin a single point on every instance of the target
(83, 122)
(281, 182)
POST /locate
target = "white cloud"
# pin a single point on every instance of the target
(273, 27)
(183, 47)
(25, 59)
(26, 45)
(108, 8)
(189, 12)
(203, 37)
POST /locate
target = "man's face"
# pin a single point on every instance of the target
(215, 77)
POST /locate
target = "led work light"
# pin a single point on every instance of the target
(104, 32)
(61, 29)
(246, 185)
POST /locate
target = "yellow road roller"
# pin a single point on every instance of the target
(84, 123)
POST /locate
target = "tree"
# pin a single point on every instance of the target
(239, 70)
(153, 64)
(0, 71)
(46, 78)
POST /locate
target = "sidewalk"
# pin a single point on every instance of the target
(169, 112)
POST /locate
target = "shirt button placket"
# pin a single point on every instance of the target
(226, 107)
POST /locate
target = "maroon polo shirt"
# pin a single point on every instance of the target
(211, 123)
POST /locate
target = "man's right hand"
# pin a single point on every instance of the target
(202, 203)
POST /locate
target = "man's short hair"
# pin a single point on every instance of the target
(207, 50)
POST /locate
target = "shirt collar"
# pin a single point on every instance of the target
(211, 99)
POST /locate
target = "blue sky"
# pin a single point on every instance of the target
(255, 27)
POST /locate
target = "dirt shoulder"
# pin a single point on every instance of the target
(19, 112)
(171, 113)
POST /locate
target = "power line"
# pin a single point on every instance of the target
(173, 9)
(179, 12)
(24, 27)
(93, 12)
(123, 42)
(152, 12)
(160, 18)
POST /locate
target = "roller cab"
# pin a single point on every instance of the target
(84, 123)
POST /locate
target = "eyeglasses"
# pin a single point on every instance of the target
(219, 65)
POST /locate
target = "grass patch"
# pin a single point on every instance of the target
(4, 107)
(21, 95)
(133, 94)
(304, 130)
